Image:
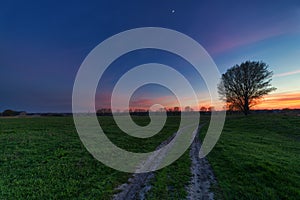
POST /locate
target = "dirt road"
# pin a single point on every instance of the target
(139, 184)
(202, 177)
(202, 174)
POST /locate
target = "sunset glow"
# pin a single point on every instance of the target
(280, 101)
(269, 102)
(41, 53)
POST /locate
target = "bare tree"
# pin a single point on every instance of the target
(176, 109)
(211, 108)
(243, 85)
(187, 109)
(203, 109)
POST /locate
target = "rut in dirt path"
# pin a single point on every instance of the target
(202, 175)
(139, 184)
(199, 188)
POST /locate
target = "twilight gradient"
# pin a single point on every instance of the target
(42, 45)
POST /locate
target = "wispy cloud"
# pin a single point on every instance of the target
(146, 103)
(287, 73)
(227, 40)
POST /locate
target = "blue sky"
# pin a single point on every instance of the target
(42, 44)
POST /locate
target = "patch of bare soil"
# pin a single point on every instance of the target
(202, 175)
(139, 184)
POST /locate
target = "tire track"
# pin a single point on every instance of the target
(139, 184)
(202, 178)
(202, 175)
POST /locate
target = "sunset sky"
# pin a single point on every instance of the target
(43, 43)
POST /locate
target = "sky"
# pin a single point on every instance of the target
(43, 44)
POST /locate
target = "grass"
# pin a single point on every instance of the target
(170, 182)
(257, 157)
(43, 158)
(135, 144)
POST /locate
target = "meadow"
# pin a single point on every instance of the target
(257, 157)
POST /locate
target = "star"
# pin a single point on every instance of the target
(173, 11)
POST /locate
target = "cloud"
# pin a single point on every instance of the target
(287, 73)
(226, 40)
(146, 103)
(169, 101)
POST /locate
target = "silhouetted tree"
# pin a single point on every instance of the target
(187, 109)
(211, 108)
(243, 85)
(162, 109)
(104, 111)
(10, 113)
(203, 109)
(176, 109)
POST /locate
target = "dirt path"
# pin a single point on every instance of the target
(202, 178)
(139, 184)
(202, 174)
(136, 188)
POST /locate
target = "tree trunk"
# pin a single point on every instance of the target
(246, 107)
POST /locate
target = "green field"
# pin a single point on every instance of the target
(257, 157)
(43, 158)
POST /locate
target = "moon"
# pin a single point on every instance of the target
(173, 11)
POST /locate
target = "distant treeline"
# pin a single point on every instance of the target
(143, 112)
(12, 113)
(266, 111)
(203, 110)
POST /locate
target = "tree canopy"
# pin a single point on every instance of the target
(242, 86)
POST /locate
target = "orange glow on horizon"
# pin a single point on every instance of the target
(280, 101)
(269, 102)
